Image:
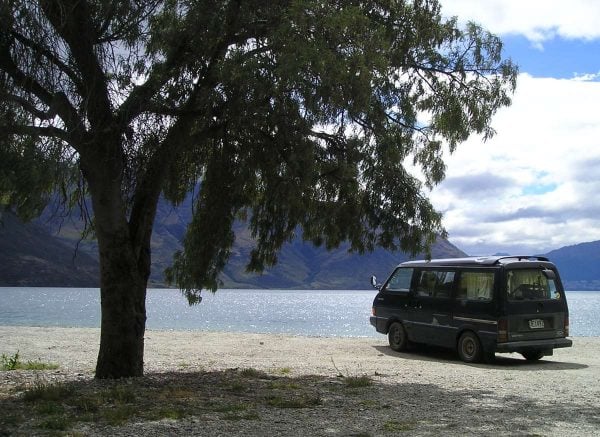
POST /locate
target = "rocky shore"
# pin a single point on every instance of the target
(221, 383)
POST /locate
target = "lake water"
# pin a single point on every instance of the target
(337, 313)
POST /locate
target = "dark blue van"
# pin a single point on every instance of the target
(477, 306)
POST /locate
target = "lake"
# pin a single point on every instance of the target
(338, 313)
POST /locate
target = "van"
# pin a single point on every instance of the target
(476, 306)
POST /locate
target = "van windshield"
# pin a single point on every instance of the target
(531, 284)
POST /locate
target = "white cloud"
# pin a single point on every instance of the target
(587, 77)
(538, 20)
(535, 186)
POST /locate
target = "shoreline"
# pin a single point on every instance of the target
(558, 395)
(77, 348)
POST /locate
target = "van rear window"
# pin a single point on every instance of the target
(531, 284)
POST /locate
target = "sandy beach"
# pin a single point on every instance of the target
(423, 392)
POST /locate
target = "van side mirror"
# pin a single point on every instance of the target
(374, 283)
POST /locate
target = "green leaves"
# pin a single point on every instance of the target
(26, 177)
(321, 112)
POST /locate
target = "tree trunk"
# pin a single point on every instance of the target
(123, 280)
(123, 304)
(124, 273)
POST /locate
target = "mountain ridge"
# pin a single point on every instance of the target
(300, 264)
(49, 252)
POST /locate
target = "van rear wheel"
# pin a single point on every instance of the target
(397, 337)
(469, 348)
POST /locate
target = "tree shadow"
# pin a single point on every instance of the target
(254, 403)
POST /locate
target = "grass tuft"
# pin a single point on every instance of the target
(358, 381)
(251, 373)
(56, 423)
(9, 363)
(119, 414)
(119, 394)
(299, 402)
(14, 362)
(47, 392)
(284, 385)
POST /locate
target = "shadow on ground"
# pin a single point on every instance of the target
(514, 361)
(252, 403)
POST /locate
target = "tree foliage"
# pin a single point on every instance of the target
(292, 115)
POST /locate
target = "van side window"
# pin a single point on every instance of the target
(435, 283)
(475, 286)
(400, 281)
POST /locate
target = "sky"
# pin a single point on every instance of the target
(535, 186)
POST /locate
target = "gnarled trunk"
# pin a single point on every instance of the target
(124, 272)
(123, 303)
(124, 250)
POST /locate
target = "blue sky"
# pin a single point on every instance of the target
(559, 58)
(535, 186)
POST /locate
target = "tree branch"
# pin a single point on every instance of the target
(149, 187)
(57, 103)
(134, 20)
(79, 32)
(139, 100)
(29, 107)
(37, 48)
(36, 131)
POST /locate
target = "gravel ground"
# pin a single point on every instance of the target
(303, 386)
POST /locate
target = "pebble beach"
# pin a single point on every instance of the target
(424, 391)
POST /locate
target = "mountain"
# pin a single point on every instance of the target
(42, 253)
(31, 256)
(304, 266)
(579, 265)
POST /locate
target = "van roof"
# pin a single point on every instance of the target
(478, 261)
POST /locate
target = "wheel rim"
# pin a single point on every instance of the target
(468, 347)
(397, 337)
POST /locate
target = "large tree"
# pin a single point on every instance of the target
(290, 115)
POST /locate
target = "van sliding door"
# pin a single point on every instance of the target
(432, 303)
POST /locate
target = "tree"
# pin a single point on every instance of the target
(289, 114)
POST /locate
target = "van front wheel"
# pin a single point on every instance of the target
(469, 348)
(397, 337)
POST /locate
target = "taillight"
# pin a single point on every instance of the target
(502, 330)
(373, 311)
(566, 325)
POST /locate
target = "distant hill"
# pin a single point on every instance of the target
(579, 265)
(42, 254)
(31, 256)
(301, 265)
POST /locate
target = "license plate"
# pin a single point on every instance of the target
(536, 323)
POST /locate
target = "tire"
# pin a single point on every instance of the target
(469, 348)
(397, 337)
(533, 355)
